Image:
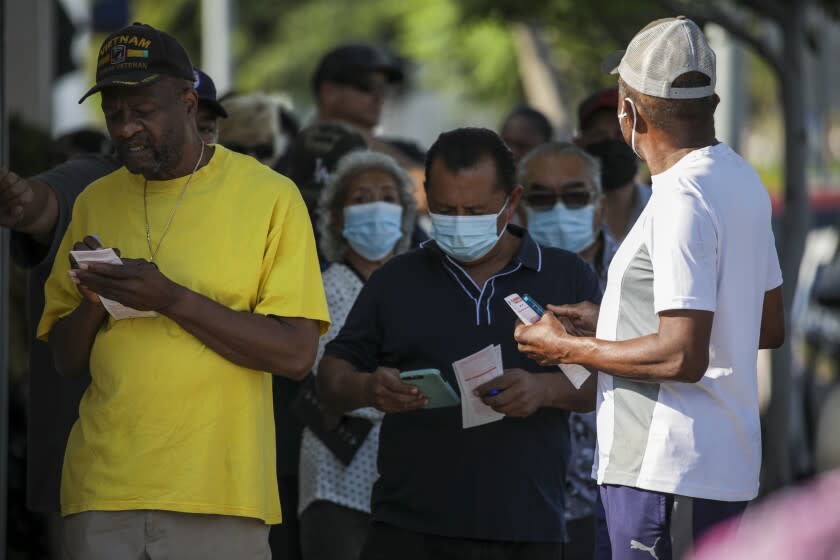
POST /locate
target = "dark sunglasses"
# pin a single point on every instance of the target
(546, 197)
(260, 151)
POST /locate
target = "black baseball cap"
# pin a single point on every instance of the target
(206, 90)
(139, 55)
(314, 154)
(343, 64)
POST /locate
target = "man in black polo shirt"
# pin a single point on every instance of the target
(444, 491)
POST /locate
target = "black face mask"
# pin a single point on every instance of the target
(618, 162)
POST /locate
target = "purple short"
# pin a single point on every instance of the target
(636, 524)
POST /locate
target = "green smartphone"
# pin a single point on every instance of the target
(432, 386)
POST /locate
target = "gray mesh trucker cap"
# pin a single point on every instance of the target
(661, 52)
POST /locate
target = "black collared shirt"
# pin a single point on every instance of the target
(503, 481)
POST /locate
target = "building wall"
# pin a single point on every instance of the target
(28, 60)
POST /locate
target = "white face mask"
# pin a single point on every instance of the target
(466, 238)
(633, 132)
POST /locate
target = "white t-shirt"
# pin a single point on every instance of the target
(703, 242)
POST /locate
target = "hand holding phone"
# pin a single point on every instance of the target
(386, 392)
(529, 312)
(432, 386)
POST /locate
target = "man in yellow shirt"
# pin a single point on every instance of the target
(173, 453)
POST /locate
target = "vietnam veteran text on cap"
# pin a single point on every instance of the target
(139, 55)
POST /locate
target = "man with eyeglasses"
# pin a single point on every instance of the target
(563, 203)
(564, 207)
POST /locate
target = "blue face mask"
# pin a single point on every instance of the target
(373, 229)
(561, 227)
(466, 238)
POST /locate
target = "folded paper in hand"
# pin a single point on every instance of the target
(108, 256)
(472, 372)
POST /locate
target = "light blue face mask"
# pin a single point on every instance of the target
(562, 227)
(373, 229)
(466, 238)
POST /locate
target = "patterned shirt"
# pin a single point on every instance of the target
(322, 475)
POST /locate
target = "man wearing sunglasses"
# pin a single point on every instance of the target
(563, 203)
(563, 206)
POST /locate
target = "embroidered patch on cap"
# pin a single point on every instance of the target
(118, 54)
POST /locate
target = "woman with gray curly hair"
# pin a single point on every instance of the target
(366, 215)
(357, 210)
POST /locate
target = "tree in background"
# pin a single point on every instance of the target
(276, 46)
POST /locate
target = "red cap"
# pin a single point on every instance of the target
(606, 98)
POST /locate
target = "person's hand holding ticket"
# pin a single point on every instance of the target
(547, 341)
(127, 288)
(89, 243)
(530, 313)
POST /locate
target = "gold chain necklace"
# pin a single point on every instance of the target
(153, 252)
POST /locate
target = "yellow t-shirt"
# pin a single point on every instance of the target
(167, 423)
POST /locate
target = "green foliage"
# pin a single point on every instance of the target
(276, 45)
(462, 46)
(579, 34)
(474, 58)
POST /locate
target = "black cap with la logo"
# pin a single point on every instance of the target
(139, 55)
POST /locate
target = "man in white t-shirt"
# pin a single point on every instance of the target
(693, 293)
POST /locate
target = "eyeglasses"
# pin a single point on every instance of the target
(546, 197)
(259, 151)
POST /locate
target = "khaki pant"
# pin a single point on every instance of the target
(163, 535)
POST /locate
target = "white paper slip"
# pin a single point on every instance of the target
(117, 310)
(472, 372)
(576, 374)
